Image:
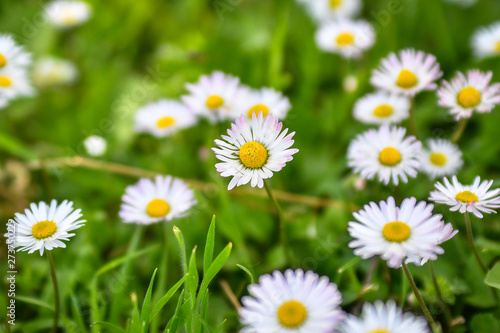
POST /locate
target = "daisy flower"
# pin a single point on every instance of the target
(466, 94)
(386, 153)
(14, 82)
(382, 108)
(486, 41)
(51, 72)
(410, 232)
(293, 302)
(327, 10)
(475, 198)
(213, 96)
(253, 150)
(11, 54)
(44, 227)
(409, 73)
(381, 317)
(347, 38)
(163, 118)
(161, 199)
(68, 13)
(95, 145)
(265, 100)
(441, 158)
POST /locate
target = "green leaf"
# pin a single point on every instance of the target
(484, 323)
(110, 327)
(34, 301)
(246, 270)
(135, 324)
(221, 325)
(209, 247)
(11, 145)
(180, 239)
(213, 270)
(161, 303)
(75, 310)
(146, 306)
(121, 260)
(493, 276)
(193, 279)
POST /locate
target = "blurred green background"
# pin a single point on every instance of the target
(133, 52)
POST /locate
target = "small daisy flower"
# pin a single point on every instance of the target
(347, 38)
(381, 317)
(350, 84)
(475, 198)
(52, 72)
(213, 96)
(293, 302)
(68, 13)
(14, 83)
(95, 145)
(327, 10)
(410, 232)
(382, 108)
(386, 153)
(253, 150)
(44, 227)
(441, 158)
(486, 41)
(161, 199)
(408, 73)
(265, 100)
(11, 54)
(164, 117)
(466, 94)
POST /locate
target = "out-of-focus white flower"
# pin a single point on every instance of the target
(327, 10)
(68, 13)
(350, 83)
(264, 100)
(12, 55)
(382, 108)
(440, 158)
(486, 41)
(51, 72)
(14, 83)
(95, 145)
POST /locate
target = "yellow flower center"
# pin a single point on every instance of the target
(383, 111)
(345, 39)
(389, 156)
(69, 19)
(466, 197)
(3, 61)
(396, 231)
(292, 314)
(157, 208)
(469, 97)
(258, 108)
(214, 102)
(336, 3)
(165, 122)
(498, 46)
(253, 155)
(380, 330)
(43, 229)
(407, 79)
(438, 159)
(5, 82)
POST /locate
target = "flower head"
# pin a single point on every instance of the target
(381, 317)
(44, 227)
(347, 38)
(264, 100)
(409, 233)
(254, 150)
(440, 158)
(68, 13)
(409, 73)
(12, 55)
(328, 10)
(386, 153)
(486, 41)
(95, 145)
(475, 198)
(161, 199)
(164, 117)
(291, 303)
(14, 83)
(466, 94)
(382, 108)
(51, 72)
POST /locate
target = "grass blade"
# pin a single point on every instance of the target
(146, 306)
(164, 300)
(209, 247)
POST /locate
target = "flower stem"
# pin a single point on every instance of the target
(472, 244)
(420, 300)
(56, 292)
(412, 126)
(446, 309)
(281, 219)
(459, 130)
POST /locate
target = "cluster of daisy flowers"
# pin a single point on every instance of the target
(216, 97)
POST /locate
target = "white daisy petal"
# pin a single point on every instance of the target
(440, 158)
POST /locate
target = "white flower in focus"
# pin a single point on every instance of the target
(68, 13)
(293, 302)
(150, 201)
(347, 38)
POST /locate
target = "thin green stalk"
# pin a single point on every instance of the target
(446, 309)
(412, 126)
(459, 130)
(281, 219)
(420, 300)
(56, 292)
